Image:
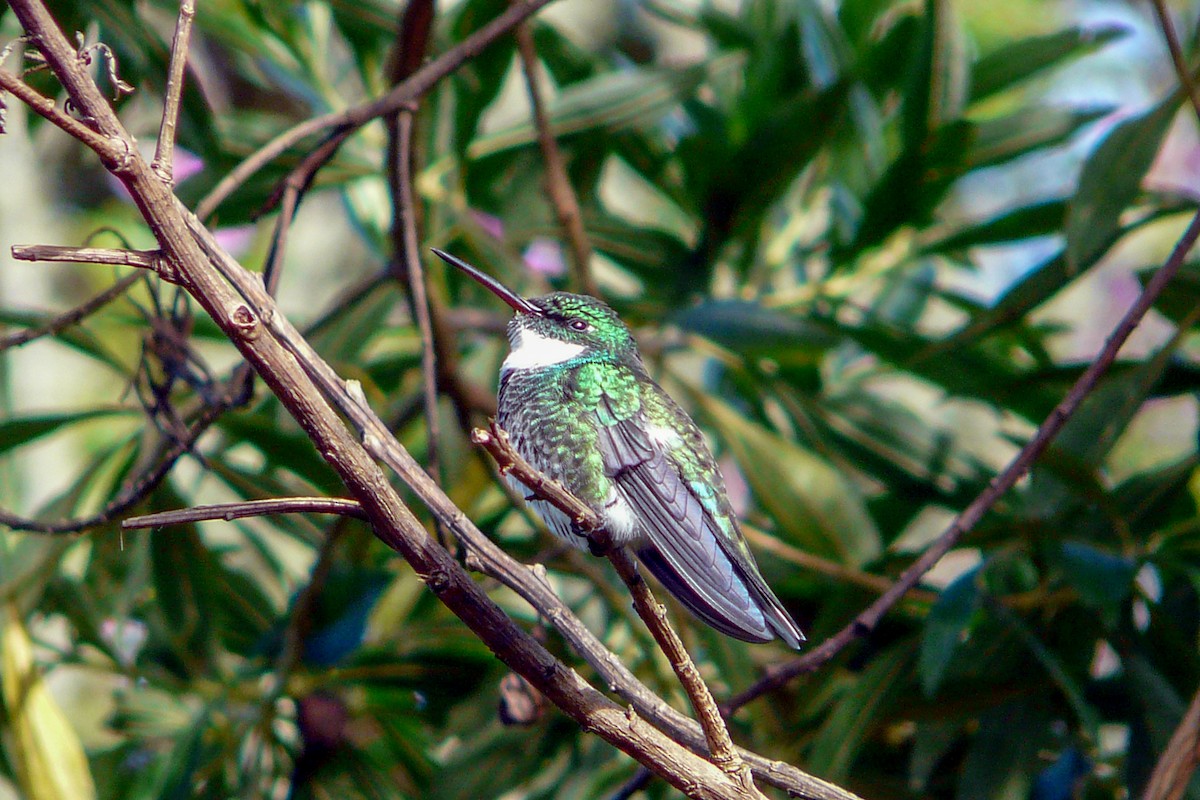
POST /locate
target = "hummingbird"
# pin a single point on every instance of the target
(579, 405)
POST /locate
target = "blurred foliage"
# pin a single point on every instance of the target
(780, 219)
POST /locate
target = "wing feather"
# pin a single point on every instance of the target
(683, 545)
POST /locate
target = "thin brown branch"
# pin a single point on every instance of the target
(164, 151)
(865, 622)
(558, 184)
(404, 234)
(110, 151)
(1175, 766)
(287, 197)
(142, 259)
(133, 491)
(720, 746)
(1178, 59)
(72, 317)
(484, 556)
(248, 508)
(353, 118)
(407, 54)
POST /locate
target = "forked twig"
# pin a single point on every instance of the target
(164, 151)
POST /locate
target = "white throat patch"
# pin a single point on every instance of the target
(533, 351)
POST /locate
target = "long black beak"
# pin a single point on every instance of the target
(518, 303)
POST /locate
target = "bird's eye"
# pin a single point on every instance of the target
(579, 325)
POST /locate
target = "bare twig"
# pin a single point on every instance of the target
(71, 317)
(558, 184)
(143, 259)
(865, 622)
(409, 49)
(287, 197)
(133, 491)
(652, 613)
(354, 118)
(110, 151)
(1178, 59)
(248, 508)
(164, 151)
(1175, 767)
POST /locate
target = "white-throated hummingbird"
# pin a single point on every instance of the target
(580, 407)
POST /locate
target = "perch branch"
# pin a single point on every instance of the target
(652, 613)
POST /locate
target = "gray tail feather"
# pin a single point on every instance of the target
(728, 618)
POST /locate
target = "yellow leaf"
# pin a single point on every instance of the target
(49, 759)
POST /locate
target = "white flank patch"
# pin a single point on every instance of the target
(663, 436)
(621, 521)
(534, 351)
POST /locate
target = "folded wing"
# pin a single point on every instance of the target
(683, 545)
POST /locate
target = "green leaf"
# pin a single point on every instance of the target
(814, 504)
(1039, 219)
(1111, 179)
(75, 336)
(1003, 758)
(857, 711)
(1102, 579)
(611, 101)
(754, 331)
(1052, 663)
(946, 625)
(1180, 297)
(1019, 61)
(1027, 129)
(17, 432)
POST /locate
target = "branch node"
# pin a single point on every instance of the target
(246, 322)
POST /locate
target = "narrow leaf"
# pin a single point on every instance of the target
(1025, 58)
(945, 627)
(811, 501)
(50, 760)
(1111, 179)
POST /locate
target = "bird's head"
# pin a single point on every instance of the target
(557, 327)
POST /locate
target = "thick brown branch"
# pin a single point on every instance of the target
(1175, 767)
(250, 320)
